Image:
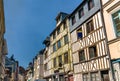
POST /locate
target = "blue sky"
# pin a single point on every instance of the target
(28, 22)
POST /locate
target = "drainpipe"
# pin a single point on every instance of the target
(106, 39)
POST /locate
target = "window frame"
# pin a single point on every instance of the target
(96, 76)
(90, 26)
(73, 20)
(58, 30)
(85, 77)
(60, 60)
(81, 53)
(81, 12)
(66, 39)
(59, 44)
(54, 35)
(55, 62)
(54, 47)
(89, 4)
(117, 33)
(45, 67)
(95, 52)
(78, 32)
(66, 57)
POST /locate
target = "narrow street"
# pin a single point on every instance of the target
(75, 40)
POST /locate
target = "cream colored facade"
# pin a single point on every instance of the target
(3, 48)
(58, 58)
(111, 12)
(38, 67)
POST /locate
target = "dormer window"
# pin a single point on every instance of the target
(90, 4)
(81, 12)
(73, 20)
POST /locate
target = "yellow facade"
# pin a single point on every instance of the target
(53, 71)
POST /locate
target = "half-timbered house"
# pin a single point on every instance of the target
(88, 40)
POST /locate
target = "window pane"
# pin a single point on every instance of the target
(66, 57)
(116, 20)
(59, 44)
(82, 55)
(94, 77)
(92, 51)
(54, 62)
(73, 20)
(54, 47)
(79, 33)
(90, 4)
(90, 26)
(58, 31)
(64, 25)
(66, 39)
(81, 12)
(54, 35)
(60, 60)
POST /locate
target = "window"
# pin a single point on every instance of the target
(54, 47)
(73, 20)
(54, 35)
(66, 58)
(85, 77)
(79, 33)
(46, 55)
(116, 21)
(60, 60)
(90, 26)
(81, 55)
(54, 62)
(92, 52)
(64, 25)
(81, 12)
(90, 4)
(45, 66)
(58, 30)
(95, 77)
(66, 39)
(59, 44)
